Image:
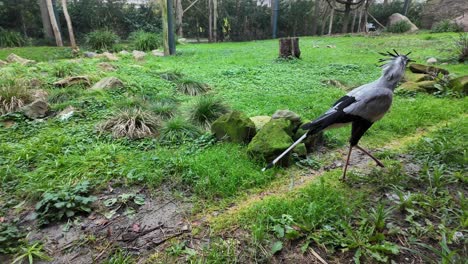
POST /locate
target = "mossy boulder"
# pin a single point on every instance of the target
(423, 87)
(271, 141)
(421, 68)
(416, 77)
(460, 84)
(289, 115)
(312, 141)
(300, 150)
(234, 127)
(260, 121)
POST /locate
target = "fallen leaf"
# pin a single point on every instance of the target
(101, 221)
(136, 228)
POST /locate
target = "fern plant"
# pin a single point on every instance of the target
(11, 39)
(102, 39)
(146, 41)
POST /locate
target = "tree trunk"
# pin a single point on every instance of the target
(215, 20)
(210, 21)
(359, 20)
(163, 4)
(289, 48)
(46, 25)
(406, 7)
(53, 21)
(69, 24)
(347, 12)
(198, 31)
(354, 21)
(179, 18)
(315, 17)
(330, 26)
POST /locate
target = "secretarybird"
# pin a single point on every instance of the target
(361, 107)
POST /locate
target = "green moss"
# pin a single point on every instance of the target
(235, 127)
(271, 140)
(460, 84)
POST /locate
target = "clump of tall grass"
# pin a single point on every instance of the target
(145, 41)
(399, 27)
(64, 69)
(133, 123)
(191, 87)
(163, 109)
(102, 39)
(205, 110)
(172, 75)
(13, 95)
(177, 131)
(445, 25)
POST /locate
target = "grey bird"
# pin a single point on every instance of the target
(361, 107)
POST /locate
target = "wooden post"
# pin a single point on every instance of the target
(289, 48)
(330, 26)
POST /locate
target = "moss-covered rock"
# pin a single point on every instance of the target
(300, 150)
(235, 127)
(289, 115)
(272, 140)
(260, 121)
(416, 77)
(421, 68)
(460, 84)
(421, 87)
(312, 141)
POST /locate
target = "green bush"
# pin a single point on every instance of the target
(445, 25)
(102, 39)
(145, 41)
(178, 131)
(399, 27)
(11, 39)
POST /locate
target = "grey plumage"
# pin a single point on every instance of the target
(362, 106)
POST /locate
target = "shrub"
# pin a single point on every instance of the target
(191, 87)
(145, 41)
(133, 123)
(445, 25)
(164, 109)
(178, 131)
(64, 203)
(13, 95)
(10, 238)
(11, 39)
(102, 39)
(207, 109)
(399, 27)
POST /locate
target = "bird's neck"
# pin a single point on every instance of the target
(384, 82)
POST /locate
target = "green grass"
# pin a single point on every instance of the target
(36, 157)
(38, 53)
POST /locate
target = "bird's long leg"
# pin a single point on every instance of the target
(347, 162)
(370, 155)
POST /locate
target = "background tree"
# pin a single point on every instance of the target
(69, 25)
(53, 21)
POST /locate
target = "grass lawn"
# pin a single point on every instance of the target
(49, 156)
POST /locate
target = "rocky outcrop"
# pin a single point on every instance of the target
(110, 56)
(107, 66)
(107, 83)
(72, 81)
(420, 68)
(234, 127)
(438, 10)
(13, 58)
(138, 55)
(395, 18)
(462, 21)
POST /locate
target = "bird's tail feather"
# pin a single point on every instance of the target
(320, 123)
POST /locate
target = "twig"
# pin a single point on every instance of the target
(376, 20)
(131, 236)
(317, 256)
(157, 243)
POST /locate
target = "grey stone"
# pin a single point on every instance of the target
(15, 58)
(36, 109)
(107, 83)
(396, 17)
(90, 54)
(138, 55)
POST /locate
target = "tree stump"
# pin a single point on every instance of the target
(289, 48)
